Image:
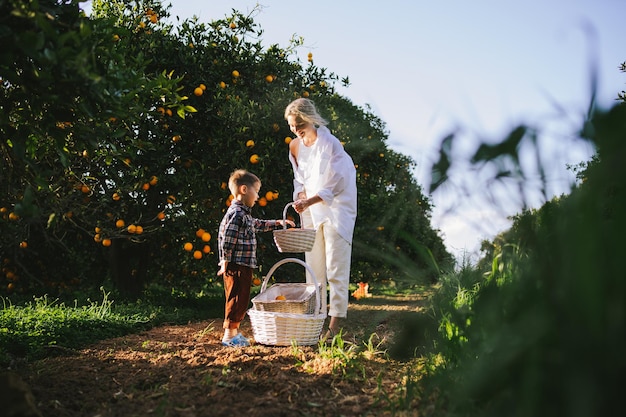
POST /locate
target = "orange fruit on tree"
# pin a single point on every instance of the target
(161, 215)
(145, 186)
(206, 249)
(254, 159)
(197, 254)
(232, 25)
(171, 199)
(85, 189)
(188, 246)
(131, 228)
(222, 84)
(97, 238)
(269, 196)
(199, 232)
(202, 86)
(23, 244)
(198, 91)
(116, 197)
(250, 143)
(206, 236)
(169, 112)
(288, 139)
(138, 229)
(97, 229)
(154, 18)
(256, 281)
(106, 242)
(262, 202)
(120, 223)
(235, 74)
(13, 216)
(153, 180)
(269, 78)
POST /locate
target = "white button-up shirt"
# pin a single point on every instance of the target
(326, 169)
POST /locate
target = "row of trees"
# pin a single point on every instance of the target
(119, 131)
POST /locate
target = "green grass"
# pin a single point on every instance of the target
(33, 329)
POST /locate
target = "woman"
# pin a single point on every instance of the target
(326, 197)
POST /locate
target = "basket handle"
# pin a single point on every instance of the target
(292, 204)
(318, 299)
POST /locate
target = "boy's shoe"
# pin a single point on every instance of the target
(238, 341)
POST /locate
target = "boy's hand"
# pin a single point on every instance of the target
(222, 270)
(289, 223)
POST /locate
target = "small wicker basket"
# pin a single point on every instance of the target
(294, 240)
(291, 322)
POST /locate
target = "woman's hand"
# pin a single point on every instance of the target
(300, 205)
(304, 203)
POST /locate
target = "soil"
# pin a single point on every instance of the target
(183, 370)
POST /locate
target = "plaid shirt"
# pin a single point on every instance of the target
(237, 234)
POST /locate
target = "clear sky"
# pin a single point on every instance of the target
(429, 68)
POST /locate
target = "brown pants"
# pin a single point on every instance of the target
(237, 283)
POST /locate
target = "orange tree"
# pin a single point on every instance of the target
(143, 181)
(73, 106)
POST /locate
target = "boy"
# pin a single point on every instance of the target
(237, 251)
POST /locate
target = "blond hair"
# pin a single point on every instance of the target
(241, 177)
(305, 111)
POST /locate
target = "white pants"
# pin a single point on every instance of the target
(329, 259)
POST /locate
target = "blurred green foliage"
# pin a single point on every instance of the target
(539, 327)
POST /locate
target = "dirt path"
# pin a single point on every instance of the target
(185, 371)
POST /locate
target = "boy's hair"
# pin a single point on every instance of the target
(241, 177)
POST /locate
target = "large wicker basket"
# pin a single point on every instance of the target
(293, 240)
(299, 298)
(286, 324)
